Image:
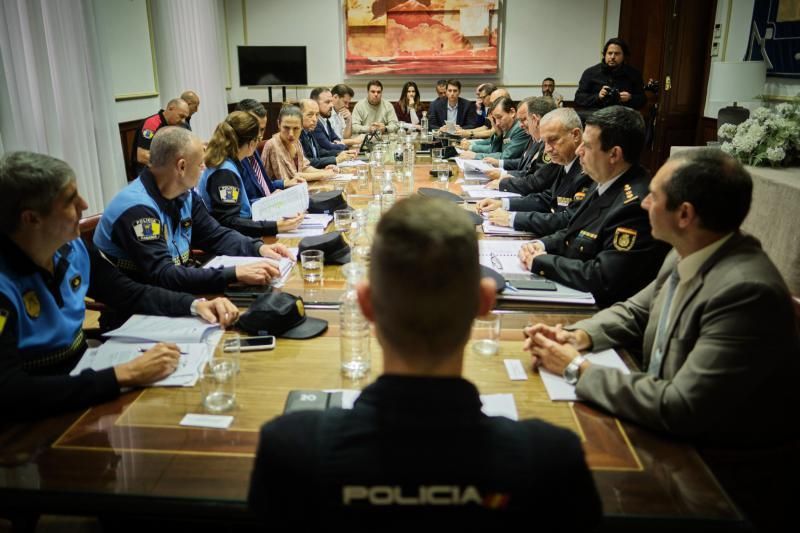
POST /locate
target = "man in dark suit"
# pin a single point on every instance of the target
(717, 335)
(454, 108)
(550, 210)
(416, 448)
(607, 248)
(323, 133)
(318, 156)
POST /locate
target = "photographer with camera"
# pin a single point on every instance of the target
(612, 81)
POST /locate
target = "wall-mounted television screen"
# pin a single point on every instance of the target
(272, 65)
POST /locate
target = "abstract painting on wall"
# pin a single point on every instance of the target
(422, 37)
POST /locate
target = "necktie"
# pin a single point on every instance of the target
(259, 175)
(329, 129)
(313, 146)
(657, 355)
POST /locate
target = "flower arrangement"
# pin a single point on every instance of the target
(771, 136)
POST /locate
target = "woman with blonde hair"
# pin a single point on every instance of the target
(221, 185)
(283, 154)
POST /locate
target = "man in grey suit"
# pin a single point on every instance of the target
(717, 333)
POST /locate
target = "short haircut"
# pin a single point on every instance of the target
(378, 83)
(317, 91)
(540, 105)
(289, 110)
(424, 276)
(454, 83)
(304, 103)
(716, 184)
(486, 88)
(252, 106)
(549, 79)
(504, 102)
(441, 83)
(168, 144)
(341, 90)
(620, 126)
(29, 181)
(619, 42)
(566, 116)
(188, 96)
(175, 102)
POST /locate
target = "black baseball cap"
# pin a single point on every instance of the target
(283, 315)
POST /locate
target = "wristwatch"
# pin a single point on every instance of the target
(572, 371)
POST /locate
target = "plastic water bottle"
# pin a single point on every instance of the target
(388, 193)
(353, 326)
(361, 241)
(424, 123)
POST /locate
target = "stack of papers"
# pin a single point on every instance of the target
(285, 264)
(287, 203)
(353, 163)
(188, 329)
(312, 224)
(479, 192)
(560, 390)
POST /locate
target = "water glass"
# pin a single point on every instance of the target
(362, 172)
(342, 219)
(486, 334)
(311, 263)
(232, 348)
(218, 385)
(436, 154)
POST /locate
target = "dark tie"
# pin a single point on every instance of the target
(329, 129)
(657, 355)
(313, 145)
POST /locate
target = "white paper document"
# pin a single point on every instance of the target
(494, 229)
(502, 256)
(493, 404)
(316, 220)
(560, 390)
(344, 177)
(479, 192)
(299, 233)
(206, 421)
(353, 163)
(284, 264)
(163, 329)
(276, 206)
(113, 353)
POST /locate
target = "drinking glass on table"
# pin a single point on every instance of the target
(311, 263)
(342, 219)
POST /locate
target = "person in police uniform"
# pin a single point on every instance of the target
(222, 184)
(548, 211)
(176, 113)
(150, 227)
(46, 271)
(416, 448)
(607, 248)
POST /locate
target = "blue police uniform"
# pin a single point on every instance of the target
(225, 195)
(150, 238)
(41, 316)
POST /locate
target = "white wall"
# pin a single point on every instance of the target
(533, 44)
(735, 18)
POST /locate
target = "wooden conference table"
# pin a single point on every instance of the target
(130, 457)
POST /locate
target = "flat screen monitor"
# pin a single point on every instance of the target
(272, 65)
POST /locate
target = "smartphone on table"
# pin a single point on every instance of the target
(255, 344)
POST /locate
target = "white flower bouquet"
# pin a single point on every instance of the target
(771, 136)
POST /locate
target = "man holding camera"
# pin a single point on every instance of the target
(612, 81)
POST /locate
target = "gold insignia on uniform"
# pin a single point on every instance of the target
(147, 229)
(3, 319)
(75, 282)
(563, 201)
(579, 196)
(629, 196)
(32, 305)
(587, 234)
(229, 194)
(546, 158)
(624, 238)
(186, 223)
(300, 307)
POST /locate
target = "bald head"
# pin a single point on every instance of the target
(176, 160)
(177, 111)
(497, 93)
(310, 110)
(192, 100)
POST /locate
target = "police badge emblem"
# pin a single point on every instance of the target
(229, 194)
(147, 229)
(624, 238)
(32, 305)
(546, 158)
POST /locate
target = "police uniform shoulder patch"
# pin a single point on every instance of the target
(148, 134)
(229, 194)
(624, 238)
(32, 305)
(75, 282)
(147, 229)
(3, 319)
(546, 158)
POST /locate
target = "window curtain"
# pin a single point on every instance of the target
(56, 95)
(190, 55)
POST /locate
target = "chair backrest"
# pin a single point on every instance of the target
(87, 226)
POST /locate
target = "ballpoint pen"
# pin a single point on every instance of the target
(496, 263)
